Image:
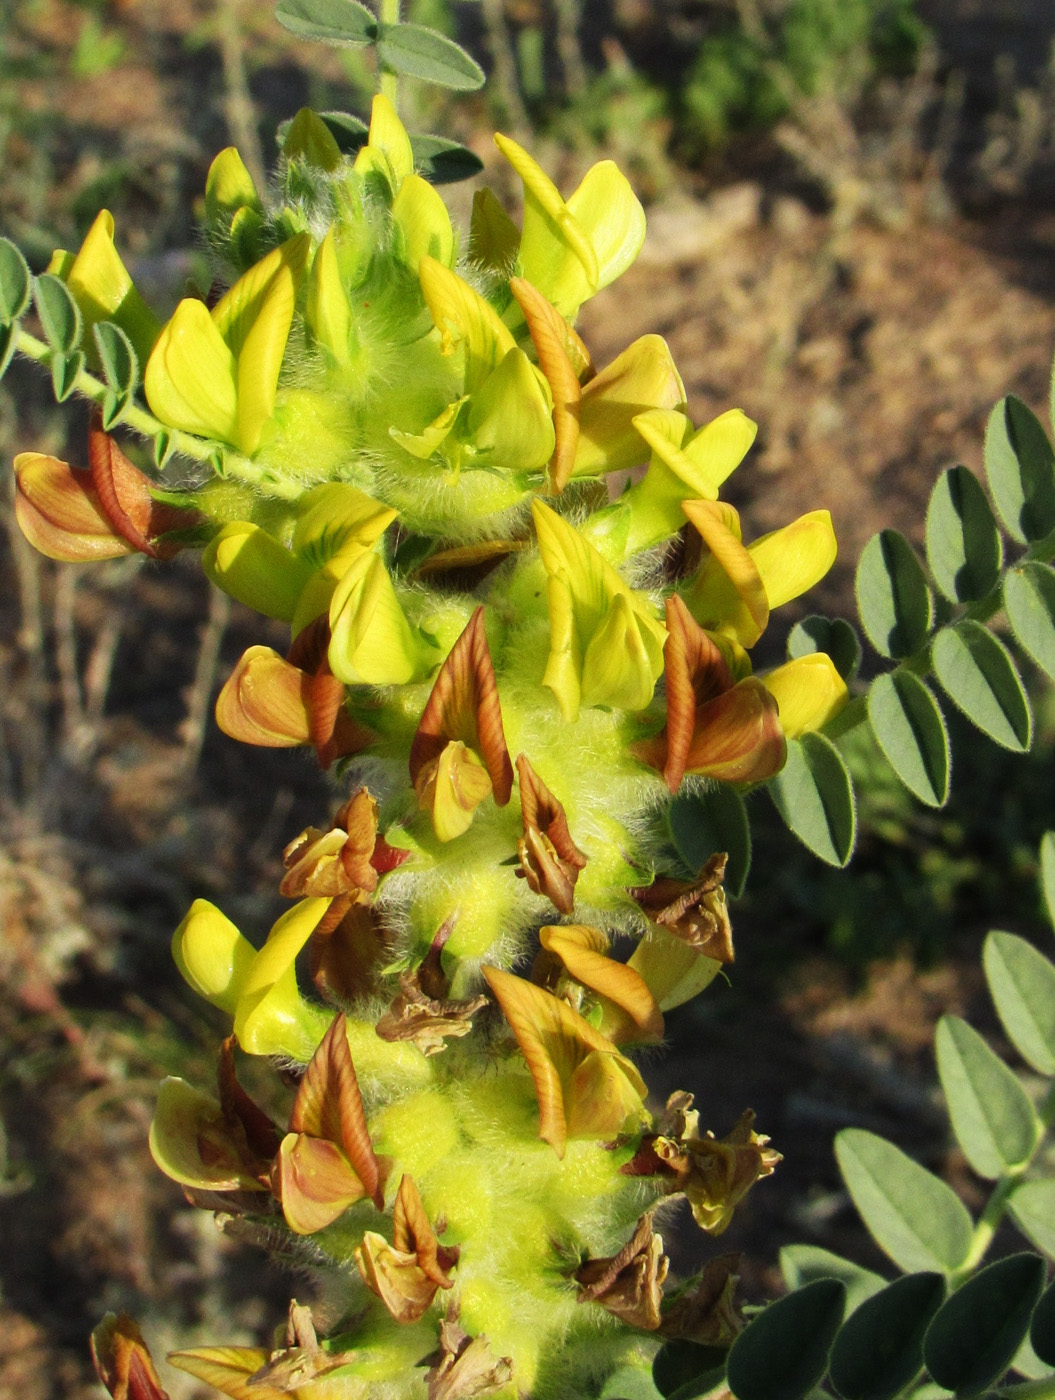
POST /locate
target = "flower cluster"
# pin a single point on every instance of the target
(514, 667)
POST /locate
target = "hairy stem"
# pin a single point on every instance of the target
(388, 13)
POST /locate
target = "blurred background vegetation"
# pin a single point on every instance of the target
(852, 236)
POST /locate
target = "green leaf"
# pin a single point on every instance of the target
(1047, 873)
(1032, 1205)
(444, 162)
(880, 1348)
(913, 1216)
(784, 1352)
(59, 314)
(911, 732)
(117, 357)
(1042, 1329)
(991, 1113)
(162, 449)
(814, 795)
(1022, 985)
(832, 635)
(964, 549)
(113, 409)
(1029, 600)
(978, 675)
(8, 338)
(1026, 1361)
(893, 599)
(684, 1369)
(64, 372)
(977, 1331)
(802, 1263)
(15, 282)
(418, 52)
(630, 1383)
(328, 21)
(702, 823)
(1020, 467)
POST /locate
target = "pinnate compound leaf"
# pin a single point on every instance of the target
(58, 313)
(64, 372)
(1029, 601)
(913, 1216)
(15, 282)
(979, 677)
(991, 1113)
(682, 1370)
(117, 357)
(419, 52)
(443, 162)
(832, 635)
(911, 732)
(977, 1331)
(964, 548)
(814, 794)
(1022, 985)
(1020, 468)
(880, 1348)
(893, 597)
(1042, 1328)
(802, 1263)
(784, 1352)
(1033, 1207)
(704, 823)
(328, 21)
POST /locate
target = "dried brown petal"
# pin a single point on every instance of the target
(346, 950)
(708, 1315)
(696, 672)
(466, 1368)
(122, 1360)
(629, 1284)
(407, 1273)
(550, 861)
(425, 1020)
(468, 556)
(337, 861)
(314, 1182)
(695, 911)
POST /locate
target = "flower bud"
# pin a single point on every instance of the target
(212, 955)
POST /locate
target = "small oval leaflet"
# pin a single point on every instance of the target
(814, 794)
(913, 1216)
(893, 598)
(59, 314)
(880, 1348)
(1029, 601)
(910, 730)
(832, 635)
(117, 357)
(1020, 468)
(8, 336)
(686, 1369)
(1042, 1328)
(1033, 1207)
(64, 372)
(783, 1353)
(979, 677)
(702, 823)
(444, 162)
(15, 282)
(802, 1263)
(977, 1331)
(328, 21)
(991, 1113)
(1022, 984)
(419, 52)
(964, 549)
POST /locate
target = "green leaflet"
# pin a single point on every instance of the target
(978, 675)
(328, 21)
(913, 1216)
(832, 635)
(1029, 601)
(893, 598)
(1020, 468)
(15, 282)
(682, 1370)
(1033, 1207)
(119, 362)
(1042, 1328)
(702, 823)
(64, 372)
(977, 1331)
(1022, 985)
(419, 52)
(879, 1350)
(59, 314)
(814, 795)
(964, 549)
(991, 1113)
(784, 1352)
(911, 732)
(1047, 873)
(802, 1263)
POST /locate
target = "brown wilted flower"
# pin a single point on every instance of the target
(346, 950)
(407, 1273)
(122, 1360)
(465, 1368)
(550, 861)
(629, 1284)
(425, 1020)
(708, 1315)
(693, 910)
(344, 860)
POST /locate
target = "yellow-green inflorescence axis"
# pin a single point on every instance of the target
(514, 667)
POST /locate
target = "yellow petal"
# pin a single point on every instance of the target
(264, 702)
(643, 377)
(493, 236)
(698, 462)
(327, 308)
(421, 214)
(334, 516)
(511, 416)
(388, 147)
(619, 667)
(809, 692)
(249, 564)
(212, 955)
(190, 379)
(229, 1369)
(422, 445)
(269, 1016)
(311, 140)
(673, 972)
(610, 214)
(371, 641)
(191, 1142)
(727, 595)
(564, 666)
(464, 319)
(228, 187)
(103, 290)
(794, 558)
(630, 1010)
(454, 789)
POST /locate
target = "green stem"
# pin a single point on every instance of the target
(388, 13)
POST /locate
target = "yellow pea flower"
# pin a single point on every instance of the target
(809, 691)
(100, 285)
(212, 955)
(388, 151)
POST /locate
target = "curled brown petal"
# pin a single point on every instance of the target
(122, 1360)
(696, 672)
(425, 1020)
(709, 1314)
(629, 1284)
(693, 910)
(261, 1136)
(550, 861)
(338, 861)
(466, 1368)
(124, 494)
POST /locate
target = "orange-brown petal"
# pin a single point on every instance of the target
(630, 1010)
(265, 702)
(122, 1360)
(314, 1182)
(550, 336)
(738, 738)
